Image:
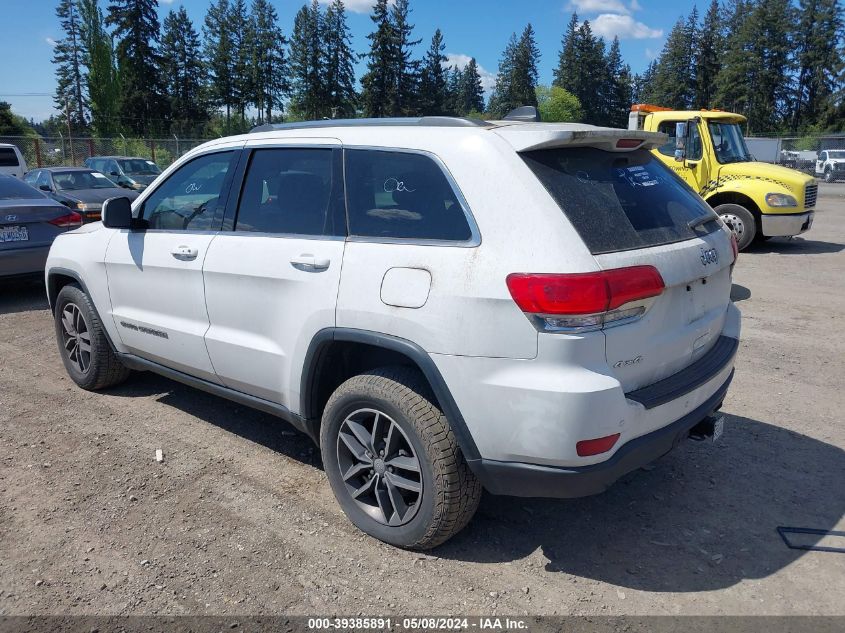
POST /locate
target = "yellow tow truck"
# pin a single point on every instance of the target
(706, 148)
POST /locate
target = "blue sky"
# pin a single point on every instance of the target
(471, 28)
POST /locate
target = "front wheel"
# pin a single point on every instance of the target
(740, 221)
(828, 175)
(393, 462)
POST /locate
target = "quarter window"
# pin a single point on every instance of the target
(189, 199)
(289, 191)
(402, 195)
(694, 149)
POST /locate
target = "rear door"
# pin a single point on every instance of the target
(271, 282)
(155, 275)
(630, 211)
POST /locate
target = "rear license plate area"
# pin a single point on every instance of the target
(14, 234)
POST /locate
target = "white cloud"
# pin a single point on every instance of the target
(610, 25)
(166, 1)
(356, 6)
(599, 6)
(488, 79)
(635, 6)
(650, 54)
(51, 41)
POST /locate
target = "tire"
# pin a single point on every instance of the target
(828, 175)
(75, 317)
(447, 493)
(741, 221)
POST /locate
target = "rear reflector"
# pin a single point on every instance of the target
(70, 221)
(585, 448)
(734, 246)
(583, 293)
(628, 143)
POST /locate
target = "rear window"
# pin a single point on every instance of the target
(620, 201)
(14, 189)
(8, 157)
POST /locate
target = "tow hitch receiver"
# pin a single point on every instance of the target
(710, 428)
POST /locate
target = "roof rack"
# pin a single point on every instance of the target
(423, 121)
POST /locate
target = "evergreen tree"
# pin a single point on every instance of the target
(565, 75)
(773, 44)
(379, 84)
(590, 65)
(735, 83)
(268, 64)
(674, 78)
(240, 34)
(68, 59)
(307, 63)
(454, 81)
(517, 77)
(407, 69)
(102, 81)
(708, 60)
(136, 29)
(183, 73)
(819, 56)
(219, 57)
(471, 90)
(339, 62)
(617, 89)
(643, 85)
(432, 89)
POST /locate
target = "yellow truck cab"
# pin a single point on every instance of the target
(706, 148)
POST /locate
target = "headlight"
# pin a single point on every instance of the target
(780, 200)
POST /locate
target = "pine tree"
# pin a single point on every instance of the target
(378, 95)
(565, 73)
(735, 83)
(708, 60)
(184, 74)
(471, 90)
(219, 57)
(590, 64)
(517, 77)
(102, 81)
(307, 63)
(773, 43)
(643, 85)
(674, 79)
(617, 91)
(143, 108)
(68, 59)
(240, 35)
(339, 62)
(268, 64)
(407, 69)
(432, 88)
(454, 82)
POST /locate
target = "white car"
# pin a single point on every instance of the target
(441, 304)
(830, 165)
(12, 162)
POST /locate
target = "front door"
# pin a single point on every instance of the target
(155, 275)
(695, 168)
(271, 283)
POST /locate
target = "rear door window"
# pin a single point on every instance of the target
(621, 201)
(402, 195)
(8, 157)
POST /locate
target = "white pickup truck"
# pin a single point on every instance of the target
(830, 165)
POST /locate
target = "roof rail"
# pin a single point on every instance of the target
(423, 121)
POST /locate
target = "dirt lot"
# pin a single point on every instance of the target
(239, 517)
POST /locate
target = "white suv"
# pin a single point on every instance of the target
(442, 304)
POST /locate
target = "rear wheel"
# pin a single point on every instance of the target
(83, 346)
(740, 221)
(393, 462)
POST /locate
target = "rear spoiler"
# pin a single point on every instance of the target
(527, 138)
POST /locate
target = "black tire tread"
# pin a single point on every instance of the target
(108, 370)
(457, 491)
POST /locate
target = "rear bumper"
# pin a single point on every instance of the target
(786, 224)
(23, 261)
(531, 480)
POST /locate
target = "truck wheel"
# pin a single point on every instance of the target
(741, 221)
(393, 462)
(828, 175)
(83, 346)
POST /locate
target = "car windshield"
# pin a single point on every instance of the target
(76, 180)
(836, 154)
(728, 142)
(139, 166)
(14, 189)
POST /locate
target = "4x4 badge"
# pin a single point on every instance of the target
(709, 256)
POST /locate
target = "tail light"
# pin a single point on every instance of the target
(70, 221)
(734, 249)
(585, 300)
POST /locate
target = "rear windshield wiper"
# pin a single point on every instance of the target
(704, 219)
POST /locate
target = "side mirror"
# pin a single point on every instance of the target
(113, 173)
(117, 213)
(680, 141)
(44, 187)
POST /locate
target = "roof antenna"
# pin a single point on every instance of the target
(526, 114)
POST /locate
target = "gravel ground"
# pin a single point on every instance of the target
(239, 519)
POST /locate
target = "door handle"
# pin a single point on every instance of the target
(310, 262)
(185, 252)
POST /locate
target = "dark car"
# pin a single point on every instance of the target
(127, 171)
(78, 188)
(29, 222)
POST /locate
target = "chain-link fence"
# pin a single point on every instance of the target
(796, 152)
(55, 151)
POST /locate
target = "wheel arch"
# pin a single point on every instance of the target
(58, 278)
(336, 354)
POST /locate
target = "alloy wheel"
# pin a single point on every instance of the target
(76, 337)
(735, 224)
(379, 467)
